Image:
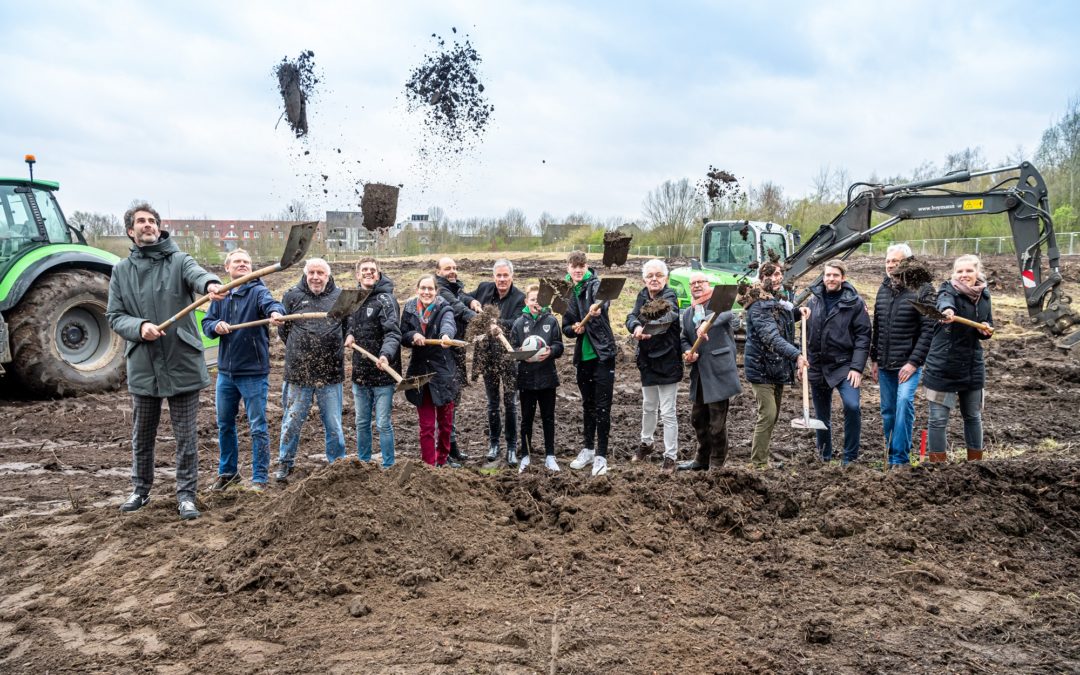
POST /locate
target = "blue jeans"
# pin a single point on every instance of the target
(297, 406)
(970, 403)
(849, 396)
(380, 399)
(898, 412)
(253, 390)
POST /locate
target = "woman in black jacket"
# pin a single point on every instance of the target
(537, 378)
(427, 315)
(954, 372)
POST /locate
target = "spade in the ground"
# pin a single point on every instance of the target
(616, 247)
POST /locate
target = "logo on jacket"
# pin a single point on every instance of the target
(547, 329)
(369, 311)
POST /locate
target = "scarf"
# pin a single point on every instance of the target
(973, 293)
(699, 309)
(425, 312)
(579, 285)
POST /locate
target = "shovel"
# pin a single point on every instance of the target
(403, 383)
(933, 313)
(610, 288)
(553, 293)
(722, 300)
(658, 326)
(347, 303)
(300, 236)
(806, 422)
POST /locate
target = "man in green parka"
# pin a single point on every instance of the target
(155, 282)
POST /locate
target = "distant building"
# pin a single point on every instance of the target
(345, 231)
(232, 234)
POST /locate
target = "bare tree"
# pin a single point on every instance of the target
(96, 224)
(297, 209)
(674, 209)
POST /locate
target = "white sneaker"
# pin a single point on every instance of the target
(551, 464)
(584, 459)
(599, 466)
(523, 464)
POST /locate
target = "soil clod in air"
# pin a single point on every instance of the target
(912, 273)
(719, 185)
(616, 247)
(296, 82)
(379, 205)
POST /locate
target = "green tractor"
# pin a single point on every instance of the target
(732, 251)
(54, 289)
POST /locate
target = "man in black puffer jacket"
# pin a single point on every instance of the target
(374, 326)
(838, 344)
(499, 373)
(659, 360)
(314, 365)
(898, 349)
(770, 356)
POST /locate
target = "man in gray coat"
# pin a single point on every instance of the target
(714, 375)
(151, 285)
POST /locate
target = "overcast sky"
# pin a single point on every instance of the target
(596, 103)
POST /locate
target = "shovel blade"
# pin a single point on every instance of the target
(414, 382)
(296, 247)
(723, 298)
(808, 423)
(926, 310)
(610, 288)
(546, 293)
(348, 302)
(657, 326)
(559, 306)
(523, 355)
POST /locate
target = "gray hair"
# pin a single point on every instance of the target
(657, 263)
(503, 262)
(902, 248)
(316, 262)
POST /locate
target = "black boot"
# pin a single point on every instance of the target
(456, 454)
(511, 457)
(718, 457)
(699, 463)
(493, 453)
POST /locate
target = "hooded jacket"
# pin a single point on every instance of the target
(541, 374)
(454, 294)
(375, 326)
(659, 358)
(426, 359)
(246, 352)
(314, 348)
(598, 329)
(151, 285)
(839, 341)
(955, 360)
(770, 355)
(901, 334)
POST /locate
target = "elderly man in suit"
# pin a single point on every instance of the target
(714, 375)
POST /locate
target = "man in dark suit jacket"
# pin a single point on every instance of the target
(714, 375)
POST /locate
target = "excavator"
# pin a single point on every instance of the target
(1021, 193)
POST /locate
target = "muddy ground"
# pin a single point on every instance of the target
(962, 568)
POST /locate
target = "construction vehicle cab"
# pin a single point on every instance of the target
(732, 251)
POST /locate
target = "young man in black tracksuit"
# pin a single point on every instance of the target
(498, 372)
(537, 378)
(594, 358)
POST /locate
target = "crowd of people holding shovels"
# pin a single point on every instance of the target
(916, 333)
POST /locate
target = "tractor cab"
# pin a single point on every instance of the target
(732, 251)
(18, 227)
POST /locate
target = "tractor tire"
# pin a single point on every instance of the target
(61, 341)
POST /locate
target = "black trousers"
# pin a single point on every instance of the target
(710, 427)
(508, 397)
(529, 399)
(596, 382)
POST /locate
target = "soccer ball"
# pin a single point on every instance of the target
(533, 342)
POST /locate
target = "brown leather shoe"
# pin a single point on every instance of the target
(642, 453)
(668, 466)
(938, 458)
(974, 455)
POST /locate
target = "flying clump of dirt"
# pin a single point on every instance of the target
(446, 87)
(296, 82)
(379, 205)
(616, 247)
(719, 185)
(913, 273)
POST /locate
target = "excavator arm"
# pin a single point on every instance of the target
(1022, 195)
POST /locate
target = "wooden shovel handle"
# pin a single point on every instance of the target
(585, 319)
(974, 324)
(227, 287)
(445, 343)
(804, 374)
(375, 360)
(701, 338)
(287, 317)
(505, 342)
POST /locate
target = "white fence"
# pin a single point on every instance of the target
(1068, 243)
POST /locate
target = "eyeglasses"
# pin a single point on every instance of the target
(698, 282)
(654, 275)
